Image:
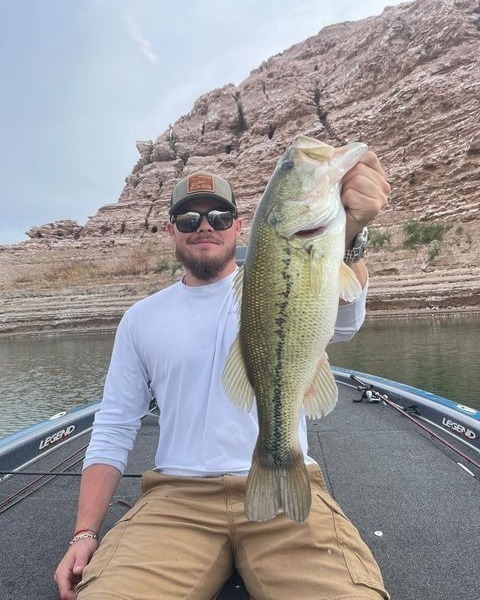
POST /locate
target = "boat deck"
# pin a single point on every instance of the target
(387, 474)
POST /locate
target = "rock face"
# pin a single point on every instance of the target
(58, 230)
(406, 82)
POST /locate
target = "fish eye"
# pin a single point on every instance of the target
(287, 165)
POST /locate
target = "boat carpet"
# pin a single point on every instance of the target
(418, 511)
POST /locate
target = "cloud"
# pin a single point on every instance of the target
(144, 45)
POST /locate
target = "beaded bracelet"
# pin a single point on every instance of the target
(83, 531)
(83, 536)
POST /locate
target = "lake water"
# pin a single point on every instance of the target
(438, 354)
(40, 376)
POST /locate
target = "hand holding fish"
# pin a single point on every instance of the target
(364, 194)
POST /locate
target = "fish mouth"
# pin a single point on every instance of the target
(310, 232)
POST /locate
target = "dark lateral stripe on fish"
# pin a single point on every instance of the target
(279, 353)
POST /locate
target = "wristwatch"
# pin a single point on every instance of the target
(358, 249)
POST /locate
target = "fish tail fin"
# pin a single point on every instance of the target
(284, 487)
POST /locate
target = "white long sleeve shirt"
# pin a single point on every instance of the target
(175, 343)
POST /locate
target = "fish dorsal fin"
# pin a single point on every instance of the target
(235, 379)
(322, 394)
(350, 288)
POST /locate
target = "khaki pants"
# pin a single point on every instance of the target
(183, 537)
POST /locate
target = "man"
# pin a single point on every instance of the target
(188, 529)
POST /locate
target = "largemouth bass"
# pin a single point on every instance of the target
(289, 289)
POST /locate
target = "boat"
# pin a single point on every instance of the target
(403, 463)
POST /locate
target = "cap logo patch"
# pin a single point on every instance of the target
(200, 182)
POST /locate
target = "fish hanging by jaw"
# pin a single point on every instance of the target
(289, 289)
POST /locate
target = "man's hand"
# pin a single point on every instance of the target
(69, 571)
(97, 486)
(365, 192)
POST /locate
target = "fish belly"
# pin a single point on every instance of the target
(285, 328)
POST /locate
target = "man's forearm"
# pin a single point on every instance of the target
(97, 487)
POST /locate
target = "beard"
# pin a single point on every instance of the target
(206, 268)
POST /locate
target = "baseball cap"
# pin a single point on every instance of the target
(202, 185)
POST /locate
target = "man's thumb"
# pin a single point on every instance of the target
(78, 568)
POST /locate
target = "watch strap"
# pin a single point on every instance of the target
(358, 248)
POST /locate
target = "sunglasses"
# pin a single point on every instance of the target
(189, 222)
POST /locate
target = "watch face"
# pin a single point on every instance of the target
(357, 251)
(361, 239)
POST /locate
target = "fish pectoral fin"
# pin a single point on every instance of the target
(235, 379)
(350, 288)
(321, 397)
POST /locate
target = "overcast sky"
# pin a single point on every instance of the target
(82, 80)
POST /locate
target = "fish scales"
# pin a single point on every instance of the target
(280, 316)
(290, 288)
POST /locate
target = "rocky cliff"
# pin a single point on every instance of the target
(406, 82)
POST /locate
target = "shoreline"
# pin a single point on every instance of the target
(373, 315)
(427, 313)
(58, 293)
(84, 287)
